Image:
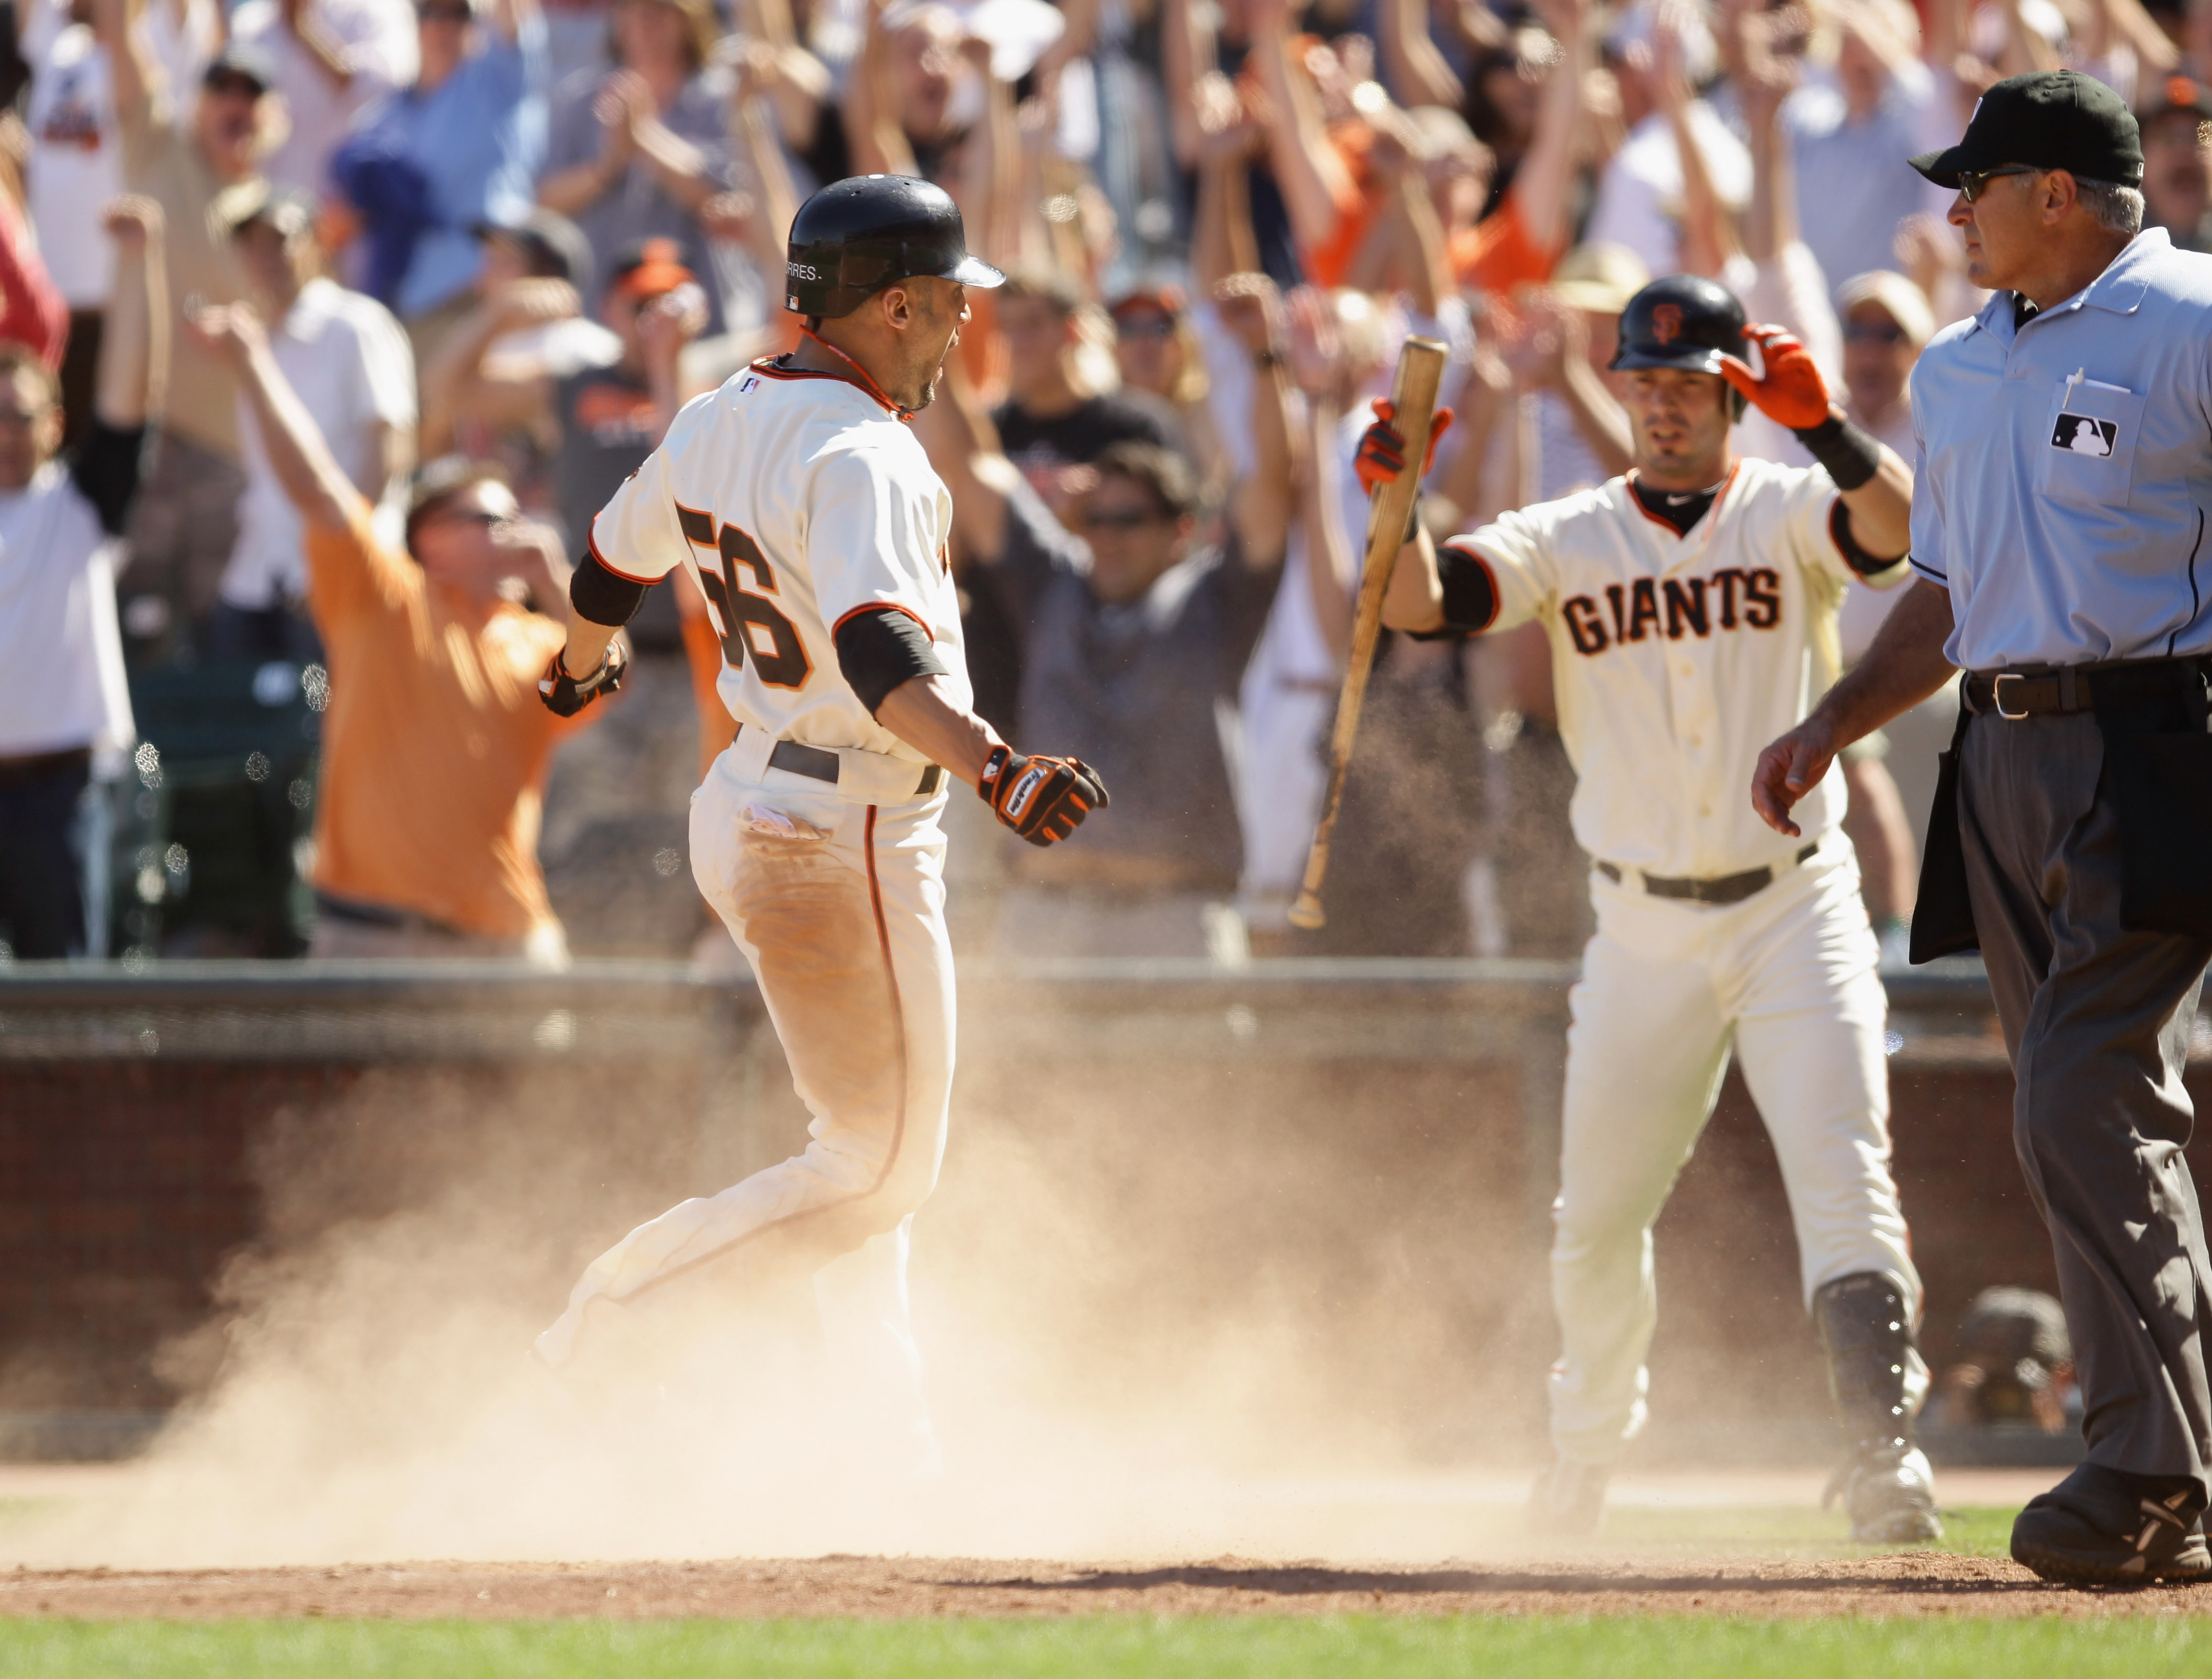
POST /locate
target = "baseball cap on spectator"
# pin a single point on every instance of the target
(554, 246)
(1049, 284)
(2052, 119)
(1165, 295)
(288, 210)
(650, 268)
(2175, 93)
(242, 61)
(1905, 303)
(441, 480)
(1599, 279)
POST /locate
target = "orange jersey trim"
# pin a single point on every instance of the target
(591, 542)
(880, 606)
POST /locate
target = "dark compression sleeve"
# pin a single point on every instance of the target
(1851, 456)
(1847, 544)
(1470, 595)
(878, 647)
(603, 597)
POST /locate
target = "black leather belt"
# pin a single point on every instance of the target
(822, 765)
(2014, 695)
(1724, 889)
(38, 766)
(381, 915)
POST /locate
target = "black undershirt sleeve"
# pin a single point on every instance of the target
(105, 471)
(603, 597)
(880, 648)
(1865, 565)
(1470, 596)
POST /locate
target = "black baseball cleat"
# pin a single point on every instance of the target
(1568, 1501)
(1889, 1493)
(2102, 1527)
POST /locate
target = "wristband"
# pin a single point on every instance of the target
(1851, 456)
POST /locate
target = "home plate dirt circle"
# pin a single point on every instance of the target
(1922, 1584)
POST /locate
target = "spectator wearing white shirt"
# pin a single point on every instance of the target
(334, 58)
(349, 364)
(1886, 323)
(1850, 138)
(1639, 194)
(65, 704)
(76, 168)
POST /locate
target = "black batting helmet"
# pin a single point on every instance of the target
(858, 235)
(1682, 321)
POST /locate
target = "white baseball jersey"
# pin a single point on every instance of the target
(796, 499)
(1677, 658)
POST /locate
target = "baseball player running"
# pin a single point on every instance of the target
(800, 502)
(1692, 606)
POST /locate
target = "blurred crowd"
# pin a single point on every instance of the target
(329, 325)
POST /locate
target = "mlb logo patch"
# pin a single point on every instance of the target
(751, 381)
(2080, 434)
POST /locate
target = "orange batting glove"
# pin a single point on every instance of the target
(1792, 393)
(1381, 454)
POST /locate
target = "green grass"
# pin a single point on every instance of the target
(1111, 1648)
(1783, 1532)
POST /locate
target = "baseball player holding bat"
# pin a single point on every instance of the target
(1692, 608)
(799, 500)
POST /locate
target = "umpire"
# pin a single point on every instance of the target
(2059, 524)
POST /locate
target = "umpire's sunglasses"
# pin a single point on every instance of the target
(1973, 182)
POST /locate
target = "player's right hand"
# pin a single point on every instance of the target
(1381, 454)
(564, 696)
(1790, 768)
(1044, 800)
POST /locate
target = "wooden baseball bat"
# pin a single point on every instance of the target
(1413, 400)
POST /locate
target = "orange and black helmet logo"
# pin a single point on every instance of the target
(1667, 322)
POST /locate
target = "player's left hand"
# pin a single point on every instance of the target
(1044, 800)
(564, 696)
(1792, 393)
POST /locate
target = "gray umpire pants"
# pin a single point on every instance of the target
(2096, 1020)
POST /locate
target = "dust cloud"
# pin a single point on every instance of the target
(1196, 1304)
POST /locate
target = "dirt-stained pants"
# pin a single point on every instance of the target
(840, 908)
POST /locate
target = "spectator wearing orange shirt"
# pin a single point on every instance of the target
(1517, 243)
(436, 746)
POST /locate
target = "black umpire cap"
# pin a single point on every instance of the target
(858, 235)
(1680, 321)
(2054, 119)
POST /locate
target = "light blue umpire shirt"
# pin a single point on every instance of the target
(2065, 468)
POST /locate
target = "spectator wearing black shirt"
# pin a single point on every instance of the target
(1053, 417)
(1134, 638)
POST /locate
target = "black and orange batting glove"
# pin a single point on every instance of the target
(1044, 800)
(1792, 393)
(1381, 454)
(564, 696)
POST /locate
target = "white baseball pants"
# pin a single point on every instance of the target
(840, 908)
(1787, 977)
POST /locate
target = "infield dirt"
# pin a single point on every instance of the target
(1922, 1584)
